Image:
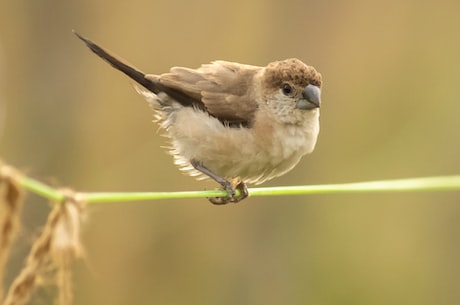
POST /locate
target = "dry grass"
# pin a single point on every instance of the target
(54, 250)
(10, 207)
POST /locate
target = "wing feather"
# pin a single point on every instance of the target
(224, 88)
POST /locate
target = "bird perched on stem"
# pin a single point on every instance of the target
(231, 122)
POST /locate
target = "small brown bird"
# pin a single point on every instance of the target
(231, 122)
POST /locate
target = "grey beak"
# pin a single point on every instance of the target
(311, 98)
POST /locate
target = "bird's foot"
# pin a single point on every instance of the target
(231, 189)
(228, 186)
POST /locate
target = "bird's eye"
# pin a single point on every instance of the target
(287, 89)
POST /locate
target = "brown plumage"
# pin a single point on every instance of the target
(232, 122)
(216, 87)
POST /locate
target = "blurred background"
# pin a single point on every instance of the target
(390, 109)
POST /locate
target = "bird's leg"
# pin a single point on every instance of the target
(226, 185)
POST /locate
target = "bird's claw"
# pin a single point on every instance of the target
(231, 190)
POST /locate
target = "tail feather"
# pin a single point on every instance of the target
(121, 65)
(149, 81)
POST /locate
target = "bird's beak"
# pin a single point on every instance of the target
(311, 98)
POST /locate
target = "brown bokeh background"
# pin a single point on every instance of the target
(391, 104)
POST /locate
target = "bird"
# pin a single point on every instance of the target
(236, 124)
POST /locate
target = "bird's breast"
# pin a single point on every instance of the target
(255, 154)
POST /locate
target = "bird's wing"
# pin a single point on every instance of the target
(224, 88)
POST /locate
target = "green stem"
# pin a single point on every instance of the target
(441, 183)
(41, 189)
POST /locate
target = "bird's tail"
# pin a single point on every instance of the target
(120, 64)
(158, 96)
